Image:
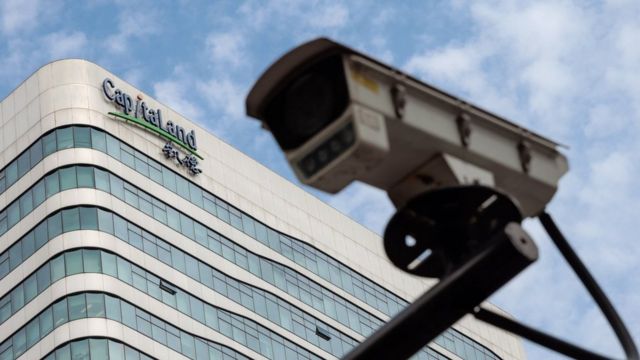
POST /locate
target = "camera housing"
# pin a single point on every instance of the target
(341, 116)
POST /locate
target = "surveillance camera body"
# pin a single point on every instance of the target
(405, 137)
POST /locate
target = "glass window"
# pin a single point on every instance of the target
(35, 152)
(102, 180)
(11, 173)
(52, 184)
(19, 341)
(65, 138)
(60, 315)
(17, 298)
(57, 268)
(98, 140)
(126, 155)
(116, 350)
(88, 218)
(33, 332)
(77, 307)
(73, 262)
(54, 225)
(91, 260)
(85, 177)
(131, 353)
(49, 143)
(46, 321)
(26, 203)
(169, 179)
(117, 186)
(71, 219)
(38, 193)
(28, 245)
(40, 234)
(99, 349)
(13, 214)
(109, 266)
(64, 353)
(113, 146)
(197, 310)
(30, 288)
(128, 314)
(188, 347)
(112, 307)
(68, 178)
(105, 221)
(187, 226)
(82, 136)
(124, 270)
(23, 163)
(155, 171)
(182, 187)
(80, 350)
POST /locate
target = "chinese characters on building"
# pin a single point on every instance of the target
(189, 161)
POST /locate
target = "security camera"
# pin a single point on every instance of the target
(341, 116)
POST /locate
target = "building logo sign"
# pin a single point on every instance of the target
(151, 119)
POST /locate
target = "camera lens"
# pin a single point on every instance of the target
(308, 105)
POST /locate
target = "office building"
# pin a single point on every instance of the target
(128, 231)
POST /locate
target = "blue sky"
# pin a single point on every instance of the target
(567, 69)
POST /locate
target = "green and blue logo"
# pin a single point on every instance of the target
(151, 119)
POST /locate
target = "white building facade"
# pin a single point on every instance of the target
(115, 243)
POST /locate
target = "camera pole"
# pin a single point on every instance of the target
(453, 297)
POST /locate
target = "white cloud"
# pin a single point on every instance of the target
(19, 15)
(64, 44)
(299, 14)
(177, 94)
(224, 96)
(226, 48)
(135, 21)
(328, 16)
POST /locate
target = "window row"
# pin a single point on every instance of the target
(282, 277)
(297, 251)
(276, 274)
(257, 300)
(100, 305)
(239, 328)
(101, 349)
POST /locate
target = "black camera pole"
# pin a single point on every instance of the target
(470, 238)
(450, 299)
(594, 289)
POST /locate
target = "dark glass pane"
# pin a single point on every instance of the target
(80, 350)
(49, 143)
(77, 307)
(99, 349)
(65, 138)
(54, 225)
(71, 219)
(36, 152)
(85, 176)
(60, 314)
(73, 262)
(98, 140)
(68, 178)
(91, 260)
(52, 184)
(88, 218)
(95, 305)
(82, 136)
